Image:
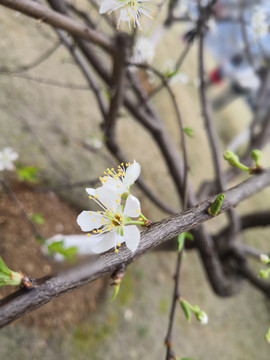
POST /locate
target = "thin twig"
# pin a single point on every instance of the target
(50, 82)
(18, 204)
(22, 68)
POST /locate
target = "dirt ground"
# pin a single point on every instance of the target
(21, 251)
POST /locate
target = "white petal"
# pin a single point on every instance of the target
(107, 242)
(91, 191)
(115, 184)
(89, 220)
(132, 236)
(132, 207)
(106, 6)
(132, 174)
(109, 197)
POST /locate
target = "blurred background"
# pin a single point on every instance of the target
(50, 118)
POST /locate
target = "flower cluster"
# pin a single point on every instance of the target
(7, 157)
(258, 22)
(120, 211)
(130, 11)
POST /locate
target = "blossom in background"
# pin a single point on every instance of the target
(144, 51)
(179, 77)
(120, 211)
(7, 157)
(258, 22)
(130, 11)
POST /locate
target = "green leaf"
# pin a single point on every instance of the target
(189, 236)
(115, 292)
(216, 205)
(27, 173)
(186, 309)
(189, 131)
(37, 218)
(181, 240)
(58, 247)
(4, 270)
(168, 74)
(186, 359)
(7, 276)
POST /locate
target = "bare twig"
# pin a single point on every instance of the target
(50, 82)
(43, 57)
(18, 204)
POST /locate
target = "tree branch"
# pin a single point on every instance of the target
(37, 11)
(18, 305)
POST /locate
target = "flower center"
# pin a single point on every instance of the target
(117, 220)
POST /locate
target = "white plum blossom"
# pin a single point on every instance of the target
(258, 22)
(144, 51)
(122, 178)
(264, 258)
(7, 157)
(202, 317)
(179, 77)
(113, 224)
(120, 211)
(130, 11)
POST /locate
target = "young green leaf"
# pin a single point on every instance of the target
(216, 205)
(189, 131)
(186, 309)
(189, 236)
(58, 247)
(37, 218)
(7, 276)
(181, 240)
(27, 173)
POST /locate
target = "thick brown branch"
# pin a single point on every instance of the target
(37, 11)
(157, 234)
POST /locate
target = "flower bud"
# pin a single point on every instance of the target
(232, 159)
(264, 259)
(202, 317)
(256, 155)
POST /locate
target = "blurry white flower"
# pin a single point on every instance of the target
(212, 25)
(247, 79)
(130, 10)
(197, 83)
(202, 317)
(258, 22)
(144, 51)
(128, 314)
(180, 77)
(7, 157)
(264, 258)
(94, 142)
(83, 247)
